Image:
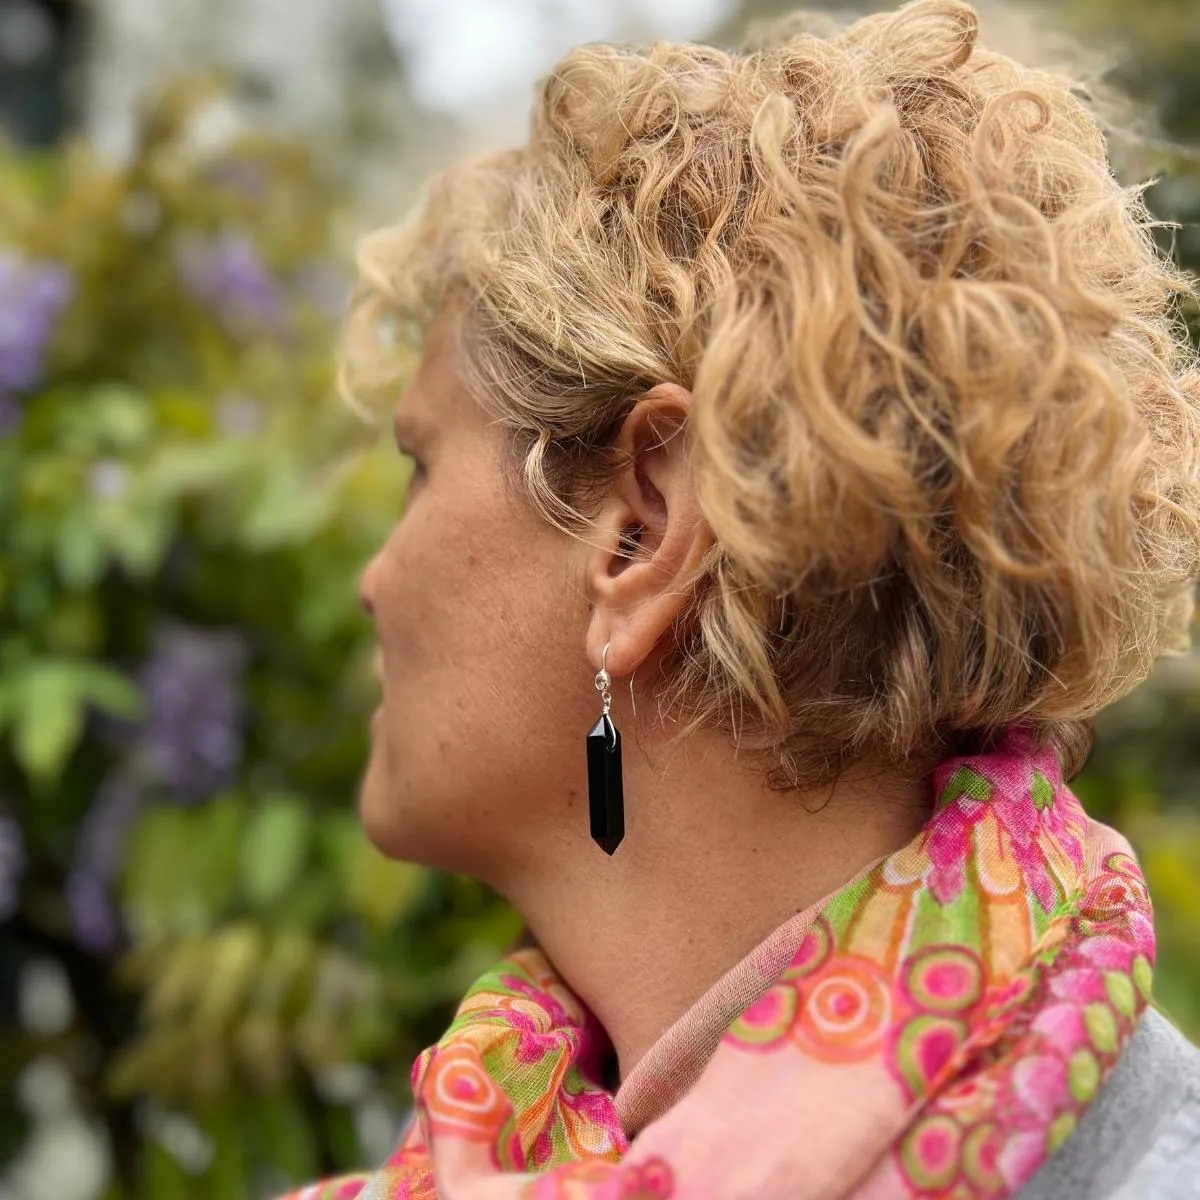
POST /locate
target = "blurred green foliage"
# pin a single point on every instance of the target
(184, 677)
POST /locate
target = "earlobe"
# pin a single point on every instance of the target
(654, 536)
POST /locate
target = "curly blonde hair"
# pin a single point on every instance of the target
(945, 416)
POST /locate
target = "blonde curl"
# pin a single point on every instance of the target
(945, 415)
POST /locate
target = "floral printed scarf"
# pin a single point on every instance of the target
(935, 1028)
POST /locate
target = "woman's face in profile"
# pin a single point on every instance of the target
(479, 607)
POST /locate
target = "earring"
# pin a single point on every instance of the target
(606, 795)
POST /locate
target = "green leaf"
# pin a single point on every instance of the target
(311, 901)
(108, 690)
(380, 889)
(162, 1177)
(46, 703)
(289, 509)
(48, 726)
(195, 467)
(80, 552)
(138, 533)
(156, 884)
(227, 1176)
(217, 855)
(286, 1137)
(122, 416)
(274, 847)
(340, 837)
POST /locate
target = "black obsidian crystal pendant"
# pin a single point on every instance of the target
(606, 796)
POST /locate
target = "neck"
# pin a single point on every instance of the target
(712, 862)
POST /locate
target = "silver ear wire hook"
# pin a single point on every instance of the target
(604, 685)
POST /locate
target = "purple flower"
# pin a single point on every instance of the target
(228, 275)
(192, 738)
(190, 743)
(99, 847)
(94, 919)
(12, 866)
(10, 415)
(32, 297)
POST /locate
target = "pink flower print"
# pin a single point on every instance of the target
(766, 1022)
(342, 1189)
(1141, 930)
(532, 1043)
(542, 1148)
(971, 1094)
(1018, 990)
(947, 842)
(1082, 984)
(1023, 791)
(1106, 952)
(1021, 1156)
(1039, 814)
(594, 1110)
(1062, 1026)
(651, 1180)
(1112, 896)
(555, 1013)
(1040, 1083)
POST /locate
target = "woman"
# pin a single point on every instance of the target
(824, 406)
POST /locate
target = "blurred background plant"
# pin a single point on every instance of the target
(210, 984)
(201, 950)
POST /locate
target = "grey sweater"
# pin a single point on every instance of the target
(1140, 1140)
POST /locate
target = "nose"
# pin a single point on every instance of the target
(366, 587)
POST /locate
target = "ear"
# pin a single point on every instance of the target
(653, 536)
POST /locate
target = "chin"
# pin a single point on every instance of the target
(396, 826)
(380, 813)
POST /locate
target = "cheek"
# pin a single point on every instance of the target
(421, 574)
(473, 606)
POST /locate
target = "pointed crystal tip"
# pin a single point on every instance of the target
(608, 844)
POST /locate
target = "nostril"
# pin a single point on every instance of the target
(365, 602)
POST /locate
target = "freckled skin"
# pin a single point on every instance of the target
(480, 611)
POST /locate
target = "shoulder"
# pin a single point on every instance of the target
(1141, 1137)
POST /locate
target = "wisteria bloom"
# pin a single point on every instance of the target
(99, 848)
(227, 275)
(189, 744)
(191, 740)
(12, 866)
(32, 298)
